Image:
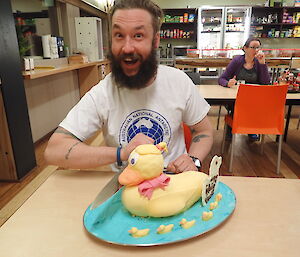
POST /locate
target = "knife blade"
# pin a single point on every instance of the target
(107, 191)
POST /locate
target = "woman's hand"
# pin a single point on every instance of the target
(232, 82)
(260, 56)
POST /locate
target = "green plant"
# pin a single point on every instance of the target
(23, 43)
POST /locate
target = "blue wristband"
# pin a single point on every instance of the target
(119, 161)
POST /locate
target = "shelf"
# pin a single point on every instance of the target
(265, 24)
(174, 22)
(177, 23)
(211, 23)
(290, 24)
(34, 74)
(279, 37)
(274, 24)
(235, 23)
(210, 31)
(262, 29)
(177, 38)
(31, 15)
(26, 25)
(234, 31)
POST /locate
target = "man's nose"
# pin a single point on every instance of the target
(128, 46)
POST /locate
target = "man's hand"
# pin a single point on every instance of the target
(139, 139)
(232, 82)
(181, 164)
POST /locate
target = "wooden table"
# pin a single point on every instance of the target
(218, 95)
(266, 222)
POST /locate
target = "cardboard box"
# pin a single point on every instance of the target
(76, 59)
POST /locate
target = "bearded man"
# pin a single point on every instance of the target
(139, 102)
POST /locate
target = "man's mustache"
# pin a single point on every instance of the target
(133, 56)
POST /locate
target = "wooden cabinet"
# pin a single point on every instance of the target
(275, 22)
(7, 164)
(179, 24)
(17, 149)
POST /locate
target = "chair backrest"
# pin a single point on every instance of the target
(187, 136)
(259, 109)
(194, 76)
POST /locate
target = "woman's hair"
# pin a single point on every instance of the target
(155, 11)
(249, 40)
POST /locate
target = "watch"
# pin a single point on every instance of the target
(197, 162)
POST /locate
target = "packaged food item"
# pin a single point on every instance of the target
(191, 17)
(185, 17)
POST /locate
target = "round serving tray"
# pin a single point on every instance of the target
(110, 221)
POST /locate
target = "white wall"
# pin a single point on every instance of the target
(28, 5)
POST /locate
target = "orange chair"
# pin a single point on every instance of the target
(187, 136)
(259, 109)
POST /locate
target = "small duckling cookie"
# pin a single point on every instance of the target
(213, 205)
(218, 197)
(162, 229)
(207, 215)
(187, 224)
(138, 232)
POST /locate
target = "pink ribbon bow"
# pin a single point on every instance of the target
(146, 188)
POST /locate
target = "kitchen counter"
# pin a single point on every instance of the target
(185, 62)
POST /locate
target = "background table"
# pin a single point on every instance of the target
(266, 222)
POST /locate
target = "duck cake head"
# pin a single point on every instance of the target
(145, 162)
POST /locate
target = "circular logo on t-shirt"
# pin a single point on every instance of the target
(148, 122)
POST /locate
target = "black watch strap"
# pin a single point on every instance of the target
(197, 162)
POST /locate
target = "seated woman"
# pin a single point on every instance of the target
(250, 67)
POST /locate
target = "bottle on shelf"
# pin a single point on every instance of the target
(298, 78)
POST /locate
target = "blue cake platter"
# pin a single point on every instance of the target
(110, 221)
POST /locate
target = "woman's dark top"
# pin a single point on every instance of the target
(250, 76)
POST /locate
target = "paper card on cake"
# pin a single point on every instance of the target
(210, 184)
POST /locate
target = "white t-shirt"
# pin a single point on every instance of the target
(157, 110)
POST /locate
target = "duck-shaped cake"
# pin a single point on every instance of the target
(149, 192)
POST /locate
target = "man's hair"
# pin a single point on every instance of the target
(155, 11)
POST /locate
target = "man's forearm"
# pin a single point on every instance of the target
(71, 153)
(201, 145)
(202, 139)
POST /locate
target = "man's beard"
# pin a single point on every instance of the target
(147, 70)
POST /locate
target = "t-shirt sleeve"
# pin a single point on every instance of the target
(83, 120)
(196, 106)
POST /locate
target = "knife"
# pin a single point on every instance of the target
(107, 191)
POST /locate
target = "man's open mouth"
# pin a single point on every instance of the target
(130, 61)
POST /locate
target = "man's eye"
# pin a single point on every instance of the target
(118, 35)
(138, 35)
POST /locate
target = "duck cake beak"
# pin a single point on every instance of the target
(130, 177)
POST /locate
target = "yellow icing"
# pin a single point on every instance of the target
(139, 232)
(218, 197)
(182, 192)
(213, 205)
(162, 229)
(187, 224)
(207, 215)
(150, 162)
